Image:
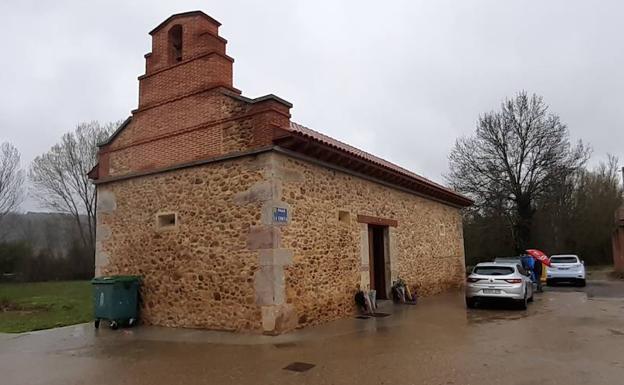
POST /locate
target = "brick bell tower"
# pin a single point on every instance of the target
(189, 110)
(188, 55)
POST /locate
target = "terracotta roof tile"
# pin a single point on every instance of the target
(327, 140)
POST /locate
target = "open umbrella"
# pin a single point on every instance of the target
(539, 255)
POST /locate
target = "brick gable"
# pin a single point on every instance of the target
(188, 109)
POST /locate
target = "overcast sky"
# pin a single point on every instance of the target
(400, 79)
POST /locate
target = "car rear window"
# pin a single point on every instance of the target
(563, 260)
(506, 260)
(493, 270)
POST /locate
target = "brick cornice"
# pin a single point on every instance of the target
(183, 62)
(194, 128)
(186, 95)
(291, 154)
(195, 163)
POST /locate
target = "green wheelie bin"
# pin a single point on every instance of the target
(116, 300)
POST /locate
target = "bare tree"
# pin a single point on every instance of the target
(598, 195)
(517, 154)
(59, 176)
(11, 179)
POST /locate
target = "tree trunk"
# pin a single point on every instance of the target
(523, 224)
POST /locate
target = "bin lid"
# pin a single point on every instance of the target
(116, 278)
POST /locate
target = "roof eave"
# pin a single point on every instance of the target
(117, 132)
(430, 189)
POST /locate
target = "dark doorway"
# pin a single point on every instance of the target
(377, 260)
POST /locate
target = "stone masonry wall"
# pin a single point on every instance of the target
(201, 272)
(330, 256)
(228, 265)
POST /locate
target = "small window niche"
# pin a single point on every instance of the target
(344, 217)
(175, 44)
(166, 221)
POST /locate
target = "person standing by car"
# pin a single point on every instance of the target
(529, 265)
(537, 272)
(527, 262)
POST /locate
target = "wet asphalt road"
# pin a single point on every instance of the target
(568, 336)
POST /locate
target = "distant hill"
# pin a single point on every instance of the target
(55, 233)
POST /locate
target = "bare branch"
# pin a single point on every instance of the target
(59, 176)
(517, 155)
(11, 179)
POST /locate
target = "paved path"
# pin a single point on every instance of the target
(568, 336)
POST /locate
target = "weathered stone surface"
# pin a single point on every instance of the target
(278, 257)
(269, 285)
(260, 192)
(227, 266)
(103, 233)
(329, 255)
(101, 259)
(202, 273)
(106, 201)
(278, 319)
(263, 237)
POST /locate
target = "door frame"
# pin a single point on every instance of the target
(383, 234)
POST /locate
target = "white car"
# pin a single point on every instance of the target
(565, 268)
(503, 281)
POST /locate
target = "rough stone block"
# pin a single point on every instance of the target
(106, 201)
(103, 232)
(263, 237)
(278, 319)
(101, 259)
(259, 192)
(275, 257)
(264, 286)
(269, 285)
(364, 279)
(364, 252)
(288, 175)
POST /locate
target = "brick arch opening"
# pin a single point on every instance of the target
(175, 43)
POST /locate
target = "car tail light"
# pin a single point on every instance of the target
(514, 280)
(473, 280)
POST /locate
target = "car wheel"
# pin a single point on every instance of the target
(531, 297)
(549, 282)
(471, 303)
(523, 303)
(581, 282)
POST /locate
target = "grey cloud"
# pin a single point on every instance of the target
(400, 79)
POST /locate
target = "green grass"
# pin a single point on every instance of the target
(43, 305)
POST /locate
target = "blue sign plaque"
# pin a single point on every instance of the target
(280, 214)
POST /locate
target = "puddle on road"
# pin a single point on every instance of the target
(285, 345)
(479, 317)
(495, 312)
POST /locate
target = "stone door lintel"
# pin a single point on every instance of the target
(377, 220)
